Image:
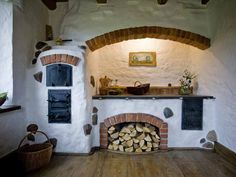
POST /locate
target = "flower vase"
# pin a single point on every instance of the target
(184, 90)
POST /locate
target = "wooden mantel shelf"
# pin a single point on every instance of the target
(153, 97)
(9, 108)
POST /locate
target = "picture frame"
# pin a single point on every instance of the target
(142, 59)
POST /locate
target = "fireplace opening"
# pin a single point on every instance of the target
(134, 131)
(133, 137)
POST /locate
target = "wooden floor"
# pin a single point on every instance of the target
(189, 163)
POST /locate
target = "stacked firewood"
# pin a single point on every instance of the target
(133, 137)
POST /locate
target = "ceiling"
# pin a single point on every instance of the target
(52, 4)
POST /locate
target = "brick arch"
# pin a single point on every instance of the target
(173, 34)
(134, 117)
(59, 58)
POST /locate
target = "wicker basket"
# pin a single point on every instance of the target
(35, 156)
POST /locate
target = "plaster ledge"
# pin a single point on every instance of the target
(9, 108)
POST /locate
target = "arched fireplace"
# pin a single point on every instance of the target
(133, 119)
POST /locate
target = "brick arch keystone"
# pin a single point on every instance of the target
(173, 34)
(134, 117)
(59, 58)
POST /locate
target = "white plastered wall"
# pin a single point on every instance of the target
(176, 136)
(29, 19)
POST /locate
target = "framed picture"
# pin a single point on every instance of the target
(142, 59)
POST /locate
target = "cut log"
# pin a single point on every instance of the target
(110, 131)
(121, 139)
(136, 146)
(133, 137)
(115, 147)
(138, 150)
(110, 147)
(125, 130)
(152, 129)
(124, 144)
(155, 145)
(158, 137)
(121, 134)
(126, 137)
(141, 143)
(153, 133)
(139, 127)
(144, 147)
(154, 139)
(117, 142)
(110, 139)
(130, 143)
(130, 149)
(141, 137)
(112, 128)
(149, 145)
(135, 140)
(131, 126)
(148, 138)
(133, 133)
(146, 130)
(121, 148)
(115, 135)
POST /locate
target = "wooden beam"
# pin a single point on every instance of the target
(162, 2)
(205, 1)
(101, 1)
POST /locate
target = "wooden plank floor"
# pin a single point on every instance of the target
(189, 163)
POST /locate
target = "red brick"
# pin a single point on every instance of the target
(164, 125)
(163, 130)
(163, 147)
(58, 58)
(102, 125)
(130, 118)
(103, 135)
(112, 120)
(149, 119)
(63, 58)
(103, 130)
(164, 135)
(157, 123)
(123, 117)
(103, 143)
(164, 141)
(53, 58)
(75, 61)
(118, 119)
(107, 123)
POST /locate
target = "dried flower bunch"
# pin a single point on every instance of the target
(187, 78)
